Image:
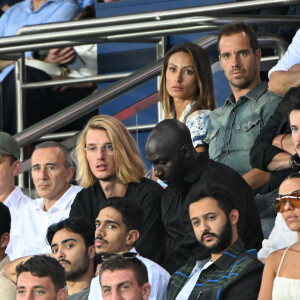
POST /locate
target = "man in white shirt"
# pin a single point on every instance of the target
(122, 278)
(118, 227)
(281, 236)
(52, 172)
(10, 166)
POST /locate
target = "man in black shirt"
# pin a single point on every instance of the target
(109, 165)
(170, 150)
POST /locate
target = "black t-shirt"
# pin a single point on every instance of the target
(147, 194)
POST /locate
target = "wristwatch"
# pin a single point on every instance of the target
(295, 161)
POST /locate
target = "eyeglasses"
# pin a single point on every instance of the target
(293, 199)
(107, 149)
(126, 255)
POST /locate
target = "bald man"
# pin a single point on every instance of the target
(170, 150)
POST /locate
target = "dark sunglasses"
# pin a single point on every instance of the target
(126, 255)
(293, 199)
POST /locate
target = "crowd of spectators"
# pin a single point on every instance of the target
(223, 197)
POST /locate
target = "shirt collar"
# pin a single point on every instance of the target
(254, 94)
(229, 255)
(60, 204)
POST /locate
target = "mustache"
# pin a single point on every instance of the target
(101, 239)
(64, 260)
(207, 233)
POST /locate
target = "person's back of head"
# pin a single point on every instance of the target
(118, 272)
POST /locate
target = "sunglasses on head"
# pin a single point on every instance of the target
(293, 199)
(126, 255)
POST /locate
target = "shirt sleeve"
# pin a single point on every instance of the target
(291, 56)
(197, 123)
(280, 237)
(262, 151)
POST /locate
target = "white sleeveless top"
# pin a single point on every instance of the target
(285, 288)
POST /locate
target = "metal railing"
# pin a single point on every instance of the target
(141, 28)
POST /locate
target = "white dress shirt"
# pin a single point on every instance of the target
(158, 278)
(28, 237)
(280, 237)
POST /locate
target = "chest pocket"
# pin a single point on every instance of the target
(248, 131)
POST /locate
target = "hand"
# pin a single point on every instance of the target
(295, 68)
(59, 56)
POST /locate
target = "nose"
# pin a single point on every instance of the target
(44, 173)
(178, 76)
(157, 171)
(59, 254)
(100, 231)
(288, 206)
(100, 153)
(29, 296)
(234, 60)
(116, 295)
(204, 226)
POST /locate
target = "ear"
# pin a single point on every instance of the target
(4, 240)
(132, 237)
(91, 251)
(146, 289)
(186, 151)
(257, 56)
(16, 167)
(62, 294)
(220, 61)
(234, 217)
(70, 174)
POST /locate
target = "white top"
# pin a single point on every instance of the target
(158, 278)
(285, 288)
(7, 287)
(280, 237)
(28, 236)
(191, 282)
(291, 56)
(15, 202)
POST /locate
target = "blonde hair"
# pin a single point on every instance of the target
(129, 165)
(205, 95)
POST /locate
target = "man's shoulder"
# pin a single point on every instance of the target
(261, 94)
(145, 185)
(153, 267)
(82, 295)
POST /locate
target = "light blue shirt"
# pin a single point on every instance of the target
(21, 14)
(291, 56)
(233, 128)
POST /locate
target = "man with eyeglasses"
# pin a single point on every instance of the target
(126, 279)
(52, 172)
(118, 227)
(109, 165)
(281, 236)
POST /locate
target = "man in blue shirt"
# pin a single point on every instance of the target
(230, 271)
(233, 127)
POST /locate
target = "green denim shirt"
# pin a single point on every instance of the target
(233, 128)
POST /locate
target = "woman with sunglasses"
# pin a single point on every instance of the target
(187, 89)
(281, 277)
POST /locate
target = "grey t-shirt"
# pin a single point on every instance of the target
(83, 295)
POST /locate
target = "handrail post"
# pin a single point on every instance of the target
(160, 53)
(20, 77)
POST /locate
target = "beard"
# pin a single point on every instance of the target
(223, 239)
(81, 268)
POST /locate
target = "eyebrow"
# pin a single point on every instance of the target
(35, 287)
(63, 242)
(107, 221)
(47, 164)
(188, 66)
